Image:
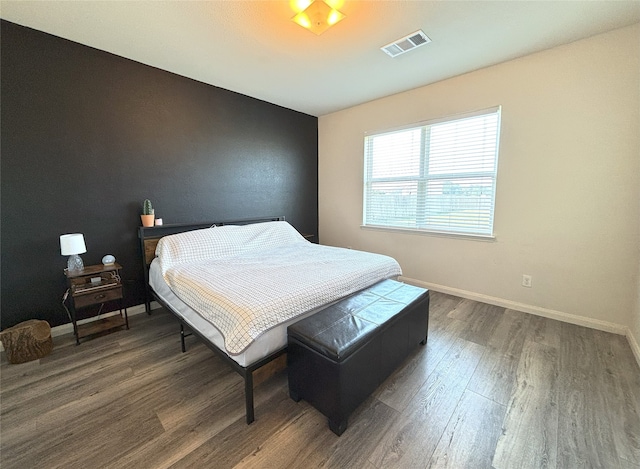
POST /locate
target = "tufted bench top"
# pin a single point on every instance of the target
(340, 329)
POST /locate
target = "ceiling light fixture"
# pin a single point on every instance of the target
(318, 17)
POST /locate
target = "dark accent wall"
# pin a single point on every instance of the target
(86, 136)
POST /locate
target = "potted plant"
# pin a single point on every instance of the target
(147, 213)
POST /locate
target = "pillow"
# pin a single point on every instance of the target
(223, 241)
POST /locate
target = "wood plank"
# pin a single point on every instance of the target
(400, 388)
(471, 436)
(544, 331)
(509, 335)
(67, 356)
(481, 319)
(94, 393)
(367, 426)
(192, 421)
(289, 444)
(49, 394)
(412, 438)
(584, 431)
(495, 377)
(68, 447)
(530, 429)
(233, 443)
(619, 386)
(624, 464)
(64, 359)
(177, 441)
(186, 399)
(189, 425)
(441, 304)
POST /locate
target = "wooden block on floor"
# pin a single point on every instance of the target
(27, 341)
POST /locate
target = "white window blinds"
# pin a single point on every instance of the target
(440, 176)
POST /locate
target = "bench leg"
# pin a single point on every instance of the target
(338, 427)
(294, 395)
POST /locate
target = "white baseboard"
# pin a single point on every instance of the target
(68, 328)
(635, 348)
(537, 310)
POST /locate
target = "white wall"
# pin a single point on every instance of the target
(634, 337)
(567, 194)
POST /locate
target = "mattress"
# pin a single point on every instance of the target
(242, 286)
(269, 342)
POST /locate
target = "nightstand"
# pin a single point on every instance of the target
(95, 285)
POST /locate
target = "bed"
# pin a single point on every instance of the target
(237, 285)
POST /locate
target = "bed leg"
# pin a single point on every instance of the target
(248, 396)
(184, 348)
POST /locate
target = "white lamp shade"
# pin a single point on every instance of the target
(71, 244)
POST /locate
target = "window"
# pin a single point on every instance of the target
(440, 176)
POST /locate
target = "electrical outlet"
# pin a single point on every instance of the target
(526, 280)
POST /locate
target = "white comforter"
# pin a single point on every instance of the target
(246, 294)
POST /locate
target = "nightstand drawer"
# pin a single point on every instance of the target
(99, 296)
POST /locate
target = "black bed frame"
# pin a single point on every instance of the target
(149, 237)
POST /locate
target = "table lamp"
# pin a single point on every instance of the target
(71, 245)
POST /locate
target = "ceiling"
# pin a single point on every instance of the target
(253, 48)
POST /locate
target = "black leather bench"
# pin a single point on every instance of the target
(338, 356)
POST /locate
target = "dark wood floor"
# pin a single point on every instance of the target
(492, 388)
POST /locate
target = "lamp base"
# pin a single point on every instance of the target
(75, 264)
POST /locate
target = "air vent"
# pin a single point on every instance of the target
(405, 44)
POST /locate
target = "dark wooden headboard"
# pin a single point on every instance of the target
(150, 236)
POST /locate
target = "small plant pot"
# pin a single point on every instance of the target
(147, 220)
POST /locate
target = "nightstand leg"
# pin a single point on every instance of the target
(126, 317)
(75, 326)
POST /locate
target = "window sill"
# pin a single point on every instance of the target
(443, 234)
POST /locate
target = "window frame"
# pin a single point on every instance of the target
(423, 177)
